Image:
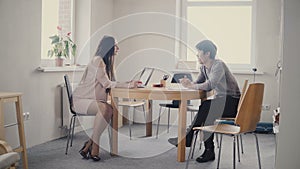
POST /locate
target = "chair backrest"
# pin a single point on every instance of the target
(244, 87)
(250, 109)
(69, 92)
(175, 79)
(243, 93)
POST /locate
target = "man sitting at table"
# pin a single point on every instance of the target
(214, 75)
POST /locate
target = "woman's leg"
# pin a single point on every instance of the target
(103, 113)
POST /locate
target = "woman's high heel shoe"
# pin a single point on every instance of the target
(93, 157)
(85, 155)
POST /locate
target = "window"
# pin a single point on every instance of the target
(55, 13)
(228, 23)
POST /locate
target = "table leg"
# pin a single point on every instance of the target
(114, 136)
(181, 131)
(148, 118)
(19, 111)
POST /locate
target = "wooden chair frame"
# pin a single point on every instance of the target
(246, 120)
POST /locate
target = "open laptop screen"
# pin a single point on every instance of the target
(146, 75)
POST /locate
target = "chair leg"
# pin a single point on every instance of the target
(69, 133)
(72, 136)
(217, 136)
(191, 150)
(201, 139)
(200, 145)
(258, 153)
(242, 147)
(144, 113)
(158, 121)
(192, 115)
(168, 120)
(238, 147)
(109, 130)
(217, 140)
(196, 135)
(219, 155)
(129, 123)
(234, 140)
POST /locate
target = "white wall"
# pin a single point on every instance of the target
(82, 30)
(145, 39)
(288, 138)
(145, 31)
(20, 53)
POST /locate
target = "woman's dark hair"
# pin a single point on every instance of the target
(207, 46)
(106, 50)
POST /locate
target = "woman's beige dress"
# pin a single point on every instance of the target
(92, 86)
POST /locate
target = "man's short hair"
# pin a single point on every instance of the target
(207, 46)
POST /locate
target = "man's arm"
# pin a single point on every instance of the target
(201, 77)
(215, 77)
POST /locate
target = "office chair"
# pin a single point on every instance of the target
(74, 114)
(175, 103)
(246, 120)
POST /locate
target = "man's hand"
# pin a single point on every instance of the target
(186, 82)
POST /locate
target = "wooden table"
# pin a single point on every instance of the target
(16, 98)
(149, 94)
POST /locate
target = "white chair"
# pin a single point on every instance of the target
(8, 158)
(134, 105)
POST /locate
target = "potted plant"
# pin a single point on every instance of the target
(62, 47)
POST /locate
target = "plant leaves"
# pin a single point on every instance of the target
(74, 50)
(62, 46)
(50, 53)
(55, 39)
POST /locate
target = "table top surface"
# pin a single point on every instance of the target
(159, 93)
(157, 89)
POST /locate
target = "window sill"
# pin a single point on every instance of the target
(237, 72)
(246, 72)
(62, 69)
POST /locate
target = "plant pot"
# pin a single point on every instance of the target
(59, 62)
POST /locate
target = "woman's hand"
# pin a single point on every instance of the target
(133, 84)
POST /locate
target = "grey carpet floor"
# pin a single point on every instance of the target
(146, 152)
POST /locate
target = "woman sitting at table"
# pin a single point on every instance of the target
(90, 96)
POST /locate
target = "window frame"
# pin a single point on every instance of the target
(45, 60)
(182, 10)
